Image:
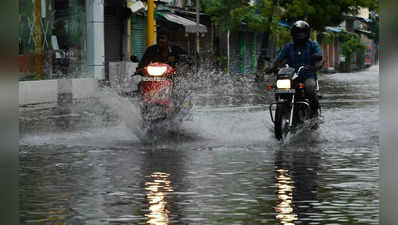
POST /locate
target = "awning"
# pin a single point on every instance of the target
(283, 24)
(190, 26)
(136, 7)
(368, 20)
(365, 32)
(334, 29)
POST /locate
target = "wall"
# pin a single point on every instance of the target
(47, 91)
(331, 55)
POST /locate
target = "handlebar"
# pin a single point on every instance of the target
(138, 72)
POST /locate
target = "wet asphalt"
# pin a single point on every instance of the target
(223, 166)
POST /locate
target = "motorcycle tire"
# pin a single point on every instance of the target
(302, 114)
(281, 124)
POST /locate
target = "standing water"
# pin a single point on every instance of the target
(223, 167)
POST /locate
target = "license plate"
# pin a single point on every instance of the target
(291, 91)
(153, 78)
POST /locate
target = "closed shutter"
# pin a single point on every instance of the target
(250, 53)
(138, 24)
(242, 52)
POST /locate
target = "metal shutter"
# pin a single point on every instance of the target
(138, 24)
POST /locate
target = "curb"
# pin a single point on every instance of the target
(60, 91)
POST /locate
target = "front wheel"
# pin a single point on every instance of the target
(281, 124)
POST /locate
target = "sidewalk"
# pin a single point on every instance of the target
(50, 105)
(49, 117)
(48, 91)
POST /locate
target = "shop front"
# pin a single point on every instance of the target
(61, 39)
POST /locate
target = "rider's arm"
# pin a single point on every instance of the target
(318, 51)
(280, 59)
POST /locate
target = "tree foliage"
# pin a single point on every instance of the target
(322, 13)
(230, 14)
(351, 43)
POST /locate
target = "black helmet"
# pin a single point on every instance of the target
(300, 32)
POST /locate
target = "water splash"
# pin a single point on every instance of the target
(126, 109)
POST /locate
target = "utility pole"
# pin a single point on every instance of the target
(228, 51)
(151, 23)
(95, 39)
(38, 37)
(197, 26)
(129, 36)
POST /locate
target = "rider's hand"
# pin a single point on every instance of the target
(139, 71)
(310, 68)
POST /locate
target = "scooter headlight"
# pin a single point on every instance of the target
(283, 84)
(156, 71)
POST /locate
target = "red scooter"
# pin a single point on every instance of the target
(159, 99)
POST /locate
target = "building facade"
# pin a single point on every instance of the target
(60, 38)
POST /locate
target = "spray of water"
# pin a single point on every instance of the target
(127, 110)
(205, 86)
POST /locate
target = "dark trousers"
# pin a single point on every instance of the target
(310, 85)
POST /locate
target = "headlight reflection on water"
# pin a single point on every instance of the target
(285, 209)
(157, 191)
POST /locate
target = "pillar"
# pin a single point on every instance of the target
(95, 38)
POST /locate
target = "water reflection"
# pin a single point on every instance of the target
(297, 185)
(285, 187)
(164, 172)
(157, 190)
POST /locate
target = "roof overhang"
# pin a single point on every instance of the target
(137, 7)
(189, 25)
(334, 29)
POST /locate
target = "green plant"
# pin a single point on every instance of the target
(282, 35)
(328, 37)
(352, 44)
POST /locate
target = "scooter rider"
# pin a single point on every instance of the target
(162, 51)
(302, 52)
(172, 55)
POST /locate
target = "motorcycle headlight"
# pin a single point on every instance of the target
(156, 70)
(283, 84)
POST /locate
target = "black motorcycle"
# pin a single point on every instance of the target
(292, 107)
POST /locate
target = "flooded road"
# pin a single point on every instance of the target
(222, 167)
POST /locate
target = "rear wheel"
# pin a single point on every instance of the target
(281, 125)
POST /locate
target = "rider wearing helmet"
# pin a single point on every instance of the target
(302, 52)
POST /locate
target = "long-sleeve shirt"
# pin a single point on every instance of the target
(297, 58)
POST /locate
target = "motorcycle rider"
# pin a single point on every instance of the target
(302, 52)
